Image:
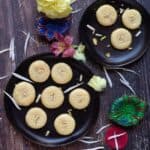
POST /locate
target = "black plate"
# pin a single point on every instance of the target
(84, 118)
(118, 58)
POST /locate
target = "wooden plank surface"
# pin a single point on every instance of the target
(15, 19)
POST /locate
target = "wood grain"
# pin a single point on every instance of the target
(15, 19)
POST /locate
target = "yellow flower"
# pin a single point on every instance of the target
(55, 9)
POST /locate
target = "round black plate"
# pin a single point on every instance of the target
(118, 58)
(84, 118)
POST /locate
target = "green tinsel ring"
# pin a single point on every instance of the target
(127, 110)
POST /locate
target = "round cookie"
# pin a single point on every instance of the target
(79, 98)
(121, 39)
(39, 71)
(132, 19)
(62, 73)
(106, 15)
(64, 124)
(52, 97)
(36, 118)
(24, 94)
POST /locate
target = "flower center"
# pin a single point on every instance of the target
(61, 46)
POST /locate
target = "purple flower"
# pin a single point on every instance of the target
(62, 46)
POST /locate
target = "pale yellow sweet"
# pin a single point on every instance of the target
(52, 97)
(39, 71)
(79, 98)
(106, 15)
(24, 94)
(121, 39)
(36, 118)
(64, 124)
(61, 73)
(132, 19)
(54, 9)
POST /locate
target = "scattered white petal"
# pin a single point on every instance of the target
(73, 87)
(4, 77)
(116, 142)
(12, 49)
(98, 35)
(91, 28)
(128, 86)
(4, 51)
(95, 148)
(30, 37)
(12, 99)
(124, 69)
(89, 142)
(26, 43)
(108, 45)
(107, 77)
(81, 77)
(130, 48)
(129, 70)
(47, 133)
(102, 128)
(76, 11)
(121, 10)
(21, 3)
(38, 98)
(138, 33)
(116, 136)
(121, 76)
(87, 138)
(12, 53)
(24, 33)
(21, 77)
(125, 82)
(69, 111)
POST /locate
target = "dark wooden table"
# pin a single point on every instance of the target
(14, 20)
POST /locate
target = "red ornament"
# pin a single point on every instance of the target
(117, 134)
